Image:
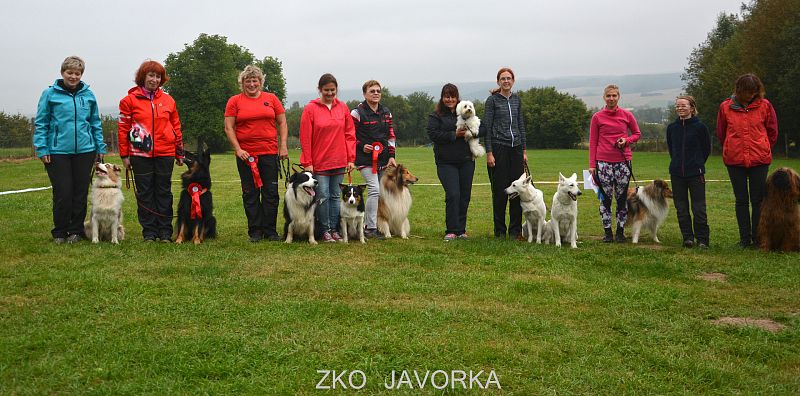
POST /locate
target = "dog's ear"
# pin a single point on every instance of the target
(528, 180)
(560, 177)
(362, 186)
(574, 176)
(116, 168)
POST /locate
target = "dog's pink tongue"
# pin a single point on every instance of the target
(310, 191)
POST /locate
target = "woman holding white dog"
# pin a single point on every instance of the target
(253, 121)
(454, 164)
(68, 137)
(505, 152)
(328, 143)
(610, 156)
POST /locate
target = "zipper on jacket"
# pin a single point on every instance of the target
(75, 106)
(153, 126)
(55, 141)
(683, 150)
(511, 118)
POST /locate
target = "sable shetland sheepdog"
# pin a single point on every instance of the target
(299, 204)
(105, 219)
(647, 207)
(196, 219)
(351, 212)
(779, 224)
(394, 201)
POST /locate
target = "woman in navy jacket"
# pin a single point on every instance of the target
(67, 139)
(689, 145)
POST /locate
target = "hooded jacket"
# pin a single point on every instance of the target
(373, 126)
(502, 121)
(689, 145)
(68, 123)
(747, 132)
(149, 127)
(327, 136)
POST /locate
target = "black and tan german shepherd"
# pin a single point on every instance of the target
(195, 208)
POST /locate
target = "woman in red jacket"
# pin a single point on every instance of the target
(150, 140)
(747, 128)
(328, 143)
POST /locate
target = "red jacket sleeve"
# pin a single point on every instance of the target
(722, 124)
(123, 127)
(306, 133)
(772, 126)
(350, 138)
(176, 127)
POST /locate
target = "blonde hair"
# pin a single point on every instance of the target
(692, 102)
(250, 71)
(73, 63)
(611, 87)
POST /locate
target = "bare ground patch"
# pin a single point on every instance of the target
(713, 277)
(764, 324)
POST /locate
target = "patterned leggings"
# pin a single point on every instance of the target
(614, 178)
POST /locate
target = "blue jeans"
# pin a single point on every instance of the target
(328, 196)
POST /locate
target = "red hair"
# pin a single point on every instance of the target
(151, 66)
(499, 72)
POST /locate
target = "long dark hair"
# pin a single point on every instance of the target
(447, 90)
(748, 88)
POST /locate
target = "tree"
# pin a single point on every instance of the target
(274, 81)
(202, 78)
(553, 119)
(293, 114)
(15, 130)
(416, 127)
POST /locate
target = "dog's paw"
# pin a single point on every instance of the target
(312, 242)
(115, 241)
(95, 240)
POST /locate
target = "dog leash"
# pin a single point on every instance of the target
(284, 171)
(629, 164)
(528, 172)
(129, 176)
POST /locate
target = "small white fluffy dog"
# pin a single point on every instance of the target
(467, 118)
(533, 208)
(563, 224)
(105, 219)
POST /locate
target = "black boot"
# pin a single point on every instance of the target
(620, 234)
(609, 237)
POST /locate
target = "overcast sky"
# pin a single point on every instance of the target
(399, 43)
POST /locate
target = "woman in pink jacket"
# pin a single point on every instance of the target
(747, 128)
(610, 156)
(328, 143)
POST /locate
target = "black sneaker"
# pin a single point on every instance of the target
(59, 240)
(274, 238)
(74, 238)
(150, 238)
(701, 245)
(609, 236)
(373, 233)
(166, 239)
(688, 243)
(256, 236)
(620, 238)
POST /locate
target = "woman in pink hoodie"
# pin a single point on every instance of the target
(328, 143)
(610, 156)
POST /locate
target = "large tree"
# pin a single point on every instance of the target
(202, 78)
(553, 119)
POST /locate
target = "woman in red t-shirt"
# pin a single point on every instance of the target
(253, 120)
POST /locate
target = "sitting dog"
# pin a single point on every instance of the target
(465, 111)
(196, 219)
(533, 208)
(299, 204)
(394, 201)
(105, 219)
(647, 207)
(563, 224)
(779, 224)
(351, 212)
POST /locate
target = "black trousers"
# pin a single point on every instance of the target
(748, 188)
(457, 182)
(154, 195)
(685, 190)
(509, 165)
(70, 175)
(260, 206)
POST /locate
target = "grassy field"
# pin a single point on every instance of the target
(231, 317)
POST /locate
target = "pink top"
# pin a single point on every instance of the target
(327, 136)
(607, 126)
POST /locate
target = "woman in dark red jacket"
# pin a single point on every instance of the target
(747, 127)
(150, 140)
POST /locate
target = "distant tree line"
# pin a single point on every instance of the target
(765, 40)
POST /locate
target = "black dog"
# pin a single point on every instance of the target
(196, 208)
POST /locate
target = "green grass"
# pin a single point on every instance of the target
(232, 317)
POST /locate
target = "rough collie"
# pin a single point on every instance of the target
(105, 219)
(648, 207)
(394, 201)
(779, 224)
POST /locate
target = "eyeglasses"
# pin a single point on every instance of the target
(374, 91)
(506, 79)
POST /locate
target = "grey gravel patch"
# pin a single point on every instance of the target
(763, 324)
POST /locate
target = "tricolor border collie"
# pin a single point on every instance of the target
(351, 212)
(299, 204)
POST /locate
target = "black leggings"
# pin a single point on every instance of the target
(756, 179)
(70, 175)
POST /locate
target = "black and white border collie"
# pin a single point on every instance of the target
(351, 212)
(299, 204)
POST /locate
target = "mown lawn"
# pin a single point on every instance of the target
(233, 317)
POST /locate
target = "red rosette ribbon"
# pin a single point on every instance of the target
(377, 148)
(252, 161)
(196, 190)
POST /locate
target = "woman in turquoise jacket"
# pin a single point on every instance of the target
(67, 139)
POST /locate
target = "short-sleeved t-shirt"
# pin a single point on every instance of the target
(255, 122)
